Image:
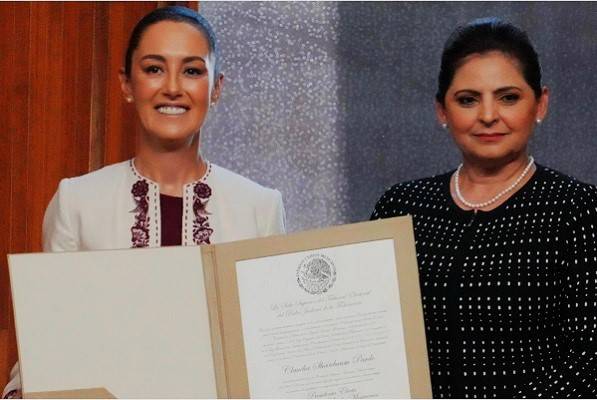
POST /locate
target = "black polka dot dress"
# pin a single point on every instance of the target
(510, 295)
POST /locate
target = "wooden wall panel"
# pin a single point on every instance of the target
(76, 87)
(64, 115)
(14, 139)
(5, 31)
(19, 152)
(99, 73)
(45, 117)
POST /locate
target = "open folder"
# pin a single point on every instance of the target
(329, 313)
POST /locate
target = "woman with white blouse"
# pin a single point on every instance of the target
(168, 194)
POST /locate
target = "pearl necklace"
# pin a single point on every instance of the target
(476, 206)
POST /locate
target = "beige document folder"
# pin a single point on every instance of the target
(215, 301)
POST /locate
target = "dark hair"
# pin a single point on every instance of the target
(481, 36)
(176, 14)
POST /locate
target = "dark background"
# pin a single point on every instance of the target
(333, 102)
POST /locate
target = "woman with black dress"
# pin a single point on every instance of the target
(506, 247)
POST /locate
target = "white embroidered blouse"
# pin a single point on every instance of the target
(116, 207)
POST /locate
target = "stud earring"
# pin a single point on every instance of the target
(539, 121)
(445, 126)
(129, 99)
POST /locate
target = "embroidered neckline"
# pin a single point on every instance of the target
(141, 177)
(201, 229)
(201, 193)
(140, 229)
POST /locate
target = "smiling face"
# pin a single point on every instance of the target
(490, 109)
(171, 82)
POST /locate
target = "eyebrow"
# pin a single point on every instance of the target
(497, 91)
(163, 59)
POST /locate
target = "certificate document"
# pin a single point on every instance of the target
(325, 323)
(328, 313)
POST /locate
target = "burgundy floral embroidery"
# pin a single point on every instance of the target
(140, 230)
(202, 190)
(201, 228)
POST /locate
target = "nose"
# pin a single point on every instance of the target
(488, 113)
(172, 88)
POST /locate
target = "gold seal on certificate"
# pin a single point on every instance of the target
(316, 274)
